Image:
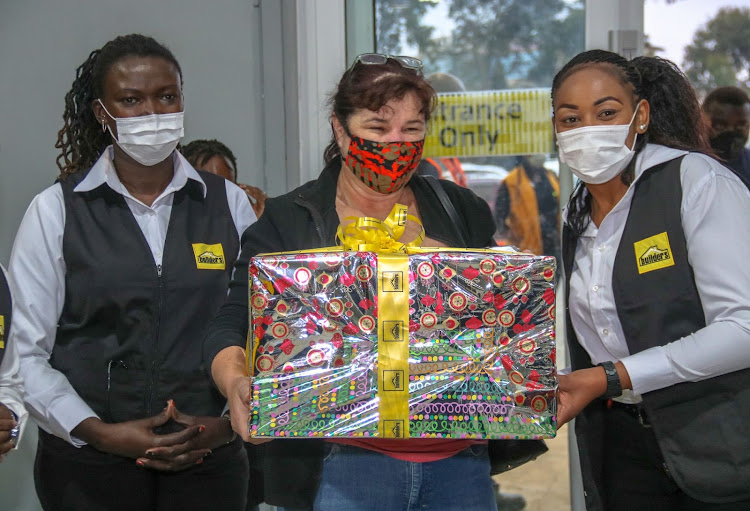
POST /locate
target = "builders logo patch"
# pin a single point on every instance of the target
(653, 253)
(209, 257)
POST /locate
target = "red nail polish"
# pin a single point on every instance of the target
(199, 461)
(139, 463)
(202, 429)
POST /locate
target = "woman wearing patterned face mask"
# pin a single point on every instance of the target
(655, 250)
(118, 268)
(379, 116)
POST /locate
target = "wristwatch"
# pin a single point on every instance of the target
(614, 387)
(16, 431)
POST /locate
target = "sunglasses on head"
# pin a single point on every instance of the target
(378, 59)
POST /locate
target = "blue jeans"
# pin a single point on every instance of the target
(358, 479)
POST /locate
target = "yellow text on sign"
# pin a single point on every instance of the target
(491, 123)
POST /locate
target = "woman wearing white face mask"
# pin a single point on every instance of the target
(655, 250)
(119, 266)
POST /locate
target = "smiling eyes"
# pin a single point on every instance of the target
(604, 115)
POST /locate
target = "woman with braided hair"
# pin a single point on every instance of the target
(119, 266)
(655, 251)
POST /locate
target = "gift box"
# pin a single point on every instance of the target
(439, 343)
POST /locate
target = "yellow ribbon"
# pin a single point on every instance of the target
(367, 234)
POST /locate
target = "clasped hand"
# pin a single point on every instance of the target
(166, 452)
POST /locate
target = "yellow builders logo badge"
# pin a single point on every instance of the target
(209, 257)
(653, 253)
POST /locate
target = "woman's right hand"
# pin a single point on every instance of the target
(229, 372)
(132, 439)
(238, 396)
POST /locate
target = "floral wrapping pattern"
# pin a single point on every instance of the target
(481, 345)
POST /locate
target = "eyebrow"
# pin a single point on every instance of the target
(596, 103)
(605, 99)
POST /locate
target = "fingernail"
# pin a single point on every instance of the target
(170, 402)
(202, 429)
(209, 453)
(139, 463)
(199, 461)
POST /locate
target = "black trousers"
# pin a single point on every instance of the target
(635, 475)
(72, 479)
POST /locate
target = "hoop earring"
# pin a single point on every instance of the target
(104, 127)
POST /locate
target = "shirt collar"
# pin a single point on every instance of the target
(103, 172)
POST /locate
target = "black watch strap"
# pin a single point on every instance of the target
(614, 387)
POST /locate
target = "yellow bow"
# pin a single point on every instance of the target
(367, 234)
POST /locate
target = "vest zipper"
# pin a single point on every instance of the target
(153, 370)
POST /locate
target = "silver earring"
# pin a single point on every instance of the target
(643, 126)
(104, 127)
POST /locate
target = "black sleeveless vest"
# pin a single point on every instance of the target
(6, 310)
(130, 334)
(702, 427)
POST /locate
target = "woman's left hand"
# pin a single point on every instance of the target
(217, 433)
(578, 389)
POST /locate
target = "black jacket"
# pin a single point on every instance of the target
(303, 219)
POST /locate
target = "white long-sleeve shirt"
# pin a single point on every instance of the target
(716, 222)
(37, 274)
(11, 384)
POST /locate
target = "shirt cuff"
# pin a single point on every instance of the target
(649, 370)
(69, 412)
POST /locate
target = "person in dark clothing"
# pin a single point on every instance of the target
(658, 321)
(117, 269)
(382, 104)
(527, 208)
(728, 109)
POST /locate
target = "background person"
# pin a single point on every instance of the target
(117, 269)
(381, 104)
(658, 291)
(527, 208)
(12, 412)
(216, 158)
(728, 109)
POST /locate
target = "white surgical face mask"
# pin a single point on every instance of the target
(148, 139)
(596, 154)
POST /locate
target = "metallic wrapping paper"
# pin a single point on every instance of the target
(481, 348)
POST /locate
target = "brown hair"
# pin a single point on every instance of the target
(370, 87)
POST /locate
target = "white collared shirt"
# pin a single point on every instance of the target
(716, 221)
(37, 275)
(11, 384)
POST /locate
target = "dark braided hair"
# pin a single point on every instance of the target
(198, 152)
(81, 139)
(370, 87)
(675, 118)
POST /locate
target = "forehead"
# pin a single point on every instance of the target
(590, 83)
(141, 73)
(728, 111)
(407, 108)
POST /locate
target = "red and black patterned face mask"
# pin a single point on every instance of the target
(383, 166)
